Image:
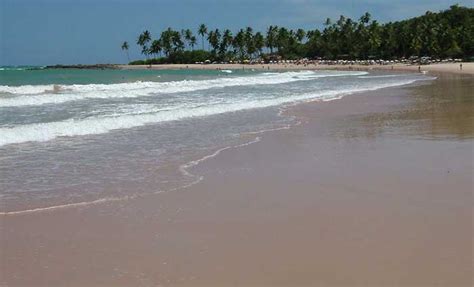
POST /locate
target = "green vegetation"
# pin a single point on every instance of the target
(449, 33)
(178, 57)
(125, 48)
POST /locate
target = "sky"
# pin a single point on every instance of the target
(46, 32)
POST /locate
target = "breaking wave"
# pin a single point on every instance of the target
(148, 114)
(32, 95)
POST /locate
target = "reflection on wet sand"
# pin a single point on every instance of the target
(445, 108)
(442, 109)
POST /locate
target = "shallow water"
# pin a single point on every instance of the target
(71, 136)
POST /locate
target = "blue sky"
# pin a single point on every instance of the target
(41, 32)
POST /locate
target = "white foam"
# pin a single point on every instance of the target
(25, 89)
(12, 69)
(148, 115)
(54, 94)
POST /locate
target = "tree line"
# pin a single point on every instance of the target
(449, 33)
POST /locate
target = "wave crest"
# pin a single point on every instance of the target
(48, 94)
(104, 124)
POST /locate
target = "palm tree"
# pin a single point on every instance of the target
(178, 44)
(374, 38)
(282, 40)
(239, 43)
(226, 41)
(271, 37)
(365, 18)
(143, 40)
(155, 47)
(166, 40)
(214, 38)
(300, 34)
(192, 42)
(171, 42)
(125, 48)
(188, 35)
(442, 34)
(259, 42)
(202, 31)
(328, 22)
(249, 43)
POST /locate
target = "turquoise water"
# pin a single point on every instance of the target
(17, 76)
(71, 137)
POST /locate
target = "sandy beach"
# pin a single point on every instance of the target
(453, 68)
(374, 189)
(309, 143)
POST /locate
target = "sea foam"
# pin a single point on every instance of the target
(148, 114)
(32, 95)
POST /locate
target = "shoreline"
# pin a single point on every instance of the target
(450, 68)
(337, 196)
(183, 167)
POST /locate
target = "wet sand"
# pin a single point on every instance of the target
(374, 189)
(451, 68)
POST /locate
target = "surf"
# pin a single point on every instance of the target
(30, 95)
(141, 115)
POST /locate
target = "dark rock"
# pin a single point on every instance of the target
(90, 67)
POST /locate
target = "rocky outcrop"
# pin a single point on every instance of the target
(94, 67)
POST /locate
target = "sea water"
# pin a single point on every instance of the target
(78, 137)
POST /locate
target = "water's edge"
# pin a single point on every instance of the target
(185, 169)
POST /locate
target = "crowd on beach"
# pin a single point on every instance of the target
(306, 61)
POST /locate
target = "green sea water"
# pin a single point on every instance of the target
(17, 76)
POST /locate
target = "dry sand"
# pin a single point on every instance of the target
(374, 189)
(467, 68)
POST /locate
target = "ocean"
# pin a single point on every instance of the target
(79, 137)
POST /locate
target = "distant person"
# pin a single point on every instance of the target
(419, 69)
(460, 66)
